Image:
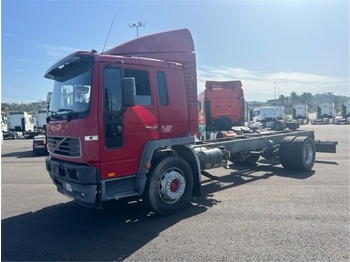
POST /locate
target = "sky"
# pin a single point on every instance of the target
(274, 47)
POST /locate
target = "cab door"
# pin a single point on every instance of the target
(126, 130)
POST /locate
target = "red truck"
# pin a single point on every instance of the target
(122, 123)
(222, 105)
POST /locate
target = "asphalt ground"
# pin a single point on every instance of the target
(258, 213)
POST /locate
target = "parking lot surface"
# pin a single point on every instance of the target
(246, 213)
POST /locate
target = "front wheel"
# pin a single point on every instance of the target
(169, 185)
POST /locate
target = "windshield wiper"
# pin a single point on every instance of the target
(70, 113)
(66, 110)
(53, 114)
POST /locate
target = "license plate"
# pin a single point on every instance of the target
(68, 187)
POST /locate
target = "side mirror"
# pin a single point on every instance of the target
(129, 91)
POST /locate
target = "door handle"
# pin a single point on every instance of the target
(154, 128)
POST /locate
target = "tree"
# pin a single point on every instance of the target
(282, 99)
(294, 98)
(306, 98)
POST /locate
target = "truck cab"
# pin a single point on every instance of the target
(264, 114)
(221, 105)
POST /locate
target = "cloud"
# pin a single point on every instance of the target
(26, 60)
(7, 34)
(58, 51)
(262, 86)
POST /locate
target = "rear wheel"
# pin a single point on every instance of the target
(303, 151)
(169, 185)
(279, 126)
(284, 152)
(297, 153)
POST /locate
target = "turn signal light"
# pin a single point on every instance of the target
(148, 166)
(111, 174)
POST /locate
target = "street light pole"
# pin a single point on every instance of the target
(137, 25)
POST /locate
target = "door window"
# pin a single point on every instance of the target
(143, 86)
(162, 89)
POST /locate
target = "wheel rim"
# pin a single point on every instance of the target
(308, 154)
(172, 186)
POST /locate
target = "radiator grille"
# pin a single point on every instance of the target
(64, 146)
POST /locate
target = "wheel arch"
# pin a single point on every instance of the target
(182, 148)
(190, 156)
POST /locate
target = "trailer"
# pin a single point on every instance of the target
(133, 134)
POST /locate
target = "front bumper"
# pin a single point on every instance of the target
(78, 182)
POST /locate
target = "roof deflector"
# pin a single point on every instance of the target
(165, 46)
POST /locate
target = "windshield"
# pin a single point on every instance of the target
(256, 112)
(71, 92)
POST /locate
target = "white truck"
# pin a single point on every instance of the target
(264, 113)
(345, 114)
(346, 111)
(41, 119)
(271, 117)
(301, 113)
(325, 113)
(3, 126)
(280, 112)
(19, 123)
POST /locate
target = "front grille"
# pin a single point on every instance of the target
(64, 146)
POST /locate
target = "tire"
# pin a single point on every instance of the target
(15, 136)
(279, 126)
(169, 185)
(293, 126)
(303, 150)
(285, 152)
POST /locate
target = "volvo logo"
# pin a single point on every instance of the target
(57, 144)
